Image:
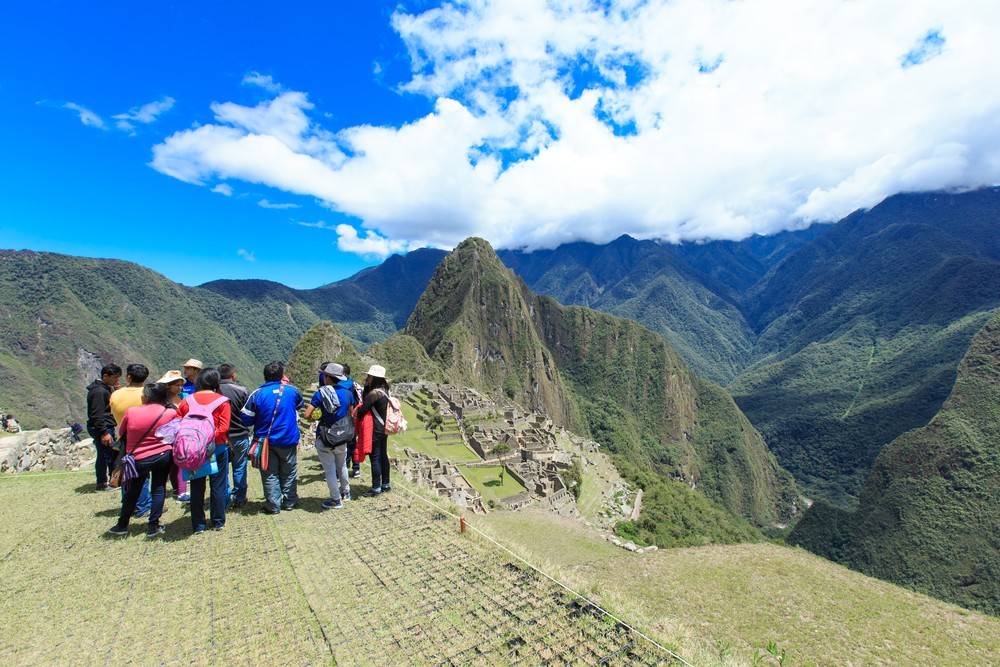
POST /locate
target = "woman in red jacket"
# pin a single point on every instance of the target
(206, 393)
(152, 456)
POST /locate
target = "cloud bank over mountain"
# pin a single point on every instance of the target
(556, 121)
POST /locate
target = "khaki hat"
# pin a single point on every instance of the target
(194, 363)
(171, 376)
(376, 371)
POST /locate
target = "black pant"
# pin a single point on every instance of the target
(352, 444)
(380, 460)
(159, 467)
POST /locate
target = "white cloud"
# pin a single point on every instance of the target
(264, 81)
(145, 114)
(688, 119)
(370, 245)
(248, 255)
(223, 189)
(87, 117)
(263, 203)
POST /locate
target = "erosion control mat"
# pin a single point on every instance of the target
(387, 580)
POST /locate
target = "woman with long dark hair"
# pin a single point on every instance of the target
(376, 402)
(152, 455)
(206, 393)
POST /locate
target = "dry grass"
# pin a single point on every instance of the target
(726, 603)
(387, 580)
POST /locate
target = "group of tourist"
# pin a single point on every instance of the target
(129, 427)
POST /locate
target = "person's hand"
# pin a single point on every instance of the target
(106, 439)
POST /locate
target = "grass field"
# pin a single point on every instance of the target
(448, 446)
(385, 581)
(726, 604)
(487, 482)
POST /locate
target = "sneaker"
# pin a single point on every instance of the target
(101, 487)
(289, 506)
(333, 504)
(236, 504)
(220, 527)
(117, 532)
(184, 498)
(386, 488)
(345, 496)
(267, 511)
(200, 530)
(356, 472)
(139, 515)
(157, 530)
(374, 492)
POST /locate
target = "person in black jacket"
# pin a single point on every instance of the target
(101, 423)
(239, 433)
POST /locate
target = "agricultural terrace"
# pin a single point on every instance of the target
(388, 580)
(447, 446)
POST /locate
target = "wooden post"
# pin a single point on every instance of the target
(461, 525)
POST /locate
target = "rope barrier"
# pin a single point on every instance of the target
(552, 579)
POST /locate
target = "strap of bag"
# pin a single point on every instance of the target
(155, 422)
(375, 412)
(274, 413)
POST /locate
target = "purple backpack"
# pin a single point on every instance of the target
(193, 434)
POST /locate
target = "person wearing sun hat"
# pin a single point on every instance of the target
(174, 381)
(376, 402)
(191, 369)
(334, 430)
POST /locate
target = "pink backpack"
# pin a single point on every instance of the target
(194, 434)
(395, 422)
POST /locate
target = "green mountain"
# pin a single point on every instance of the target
(64, 317)
(323, 342)
(928, 517)
(861, 332)
(612, 378)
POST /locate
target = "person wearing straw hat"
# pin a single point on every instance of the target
(376, 402)
(191, 369)
(174, 382)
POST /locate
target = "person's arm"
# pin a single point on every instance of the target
(123, 432)
(223, 416)
(366, 405)
(249, 412)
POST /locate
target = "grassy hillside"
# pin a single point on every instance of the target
(732, 602)
(616, 380)
(928, 517)
(321, 343)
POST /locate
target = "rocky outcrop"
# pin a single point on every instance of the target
(47, 449)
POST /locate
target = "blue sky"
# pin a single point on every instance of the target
(304, 141)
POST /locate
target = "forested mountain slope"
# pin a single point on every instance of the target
(928, 517)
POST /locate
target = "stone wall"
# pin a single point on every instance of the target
(47, 449)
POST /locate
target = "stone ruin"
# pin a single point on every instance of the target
(443, 479)
(47, 449)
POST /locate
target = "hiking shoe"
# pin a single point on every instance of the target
(331, 504)
(117, 532)
(156, 530)
(184, 498)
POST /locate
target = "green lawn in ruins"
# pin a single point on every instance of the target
(487, 482)
(448, 446)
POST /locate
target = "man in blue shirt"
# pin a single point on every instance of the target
(191, 369)
(335, 429)
(273, 412)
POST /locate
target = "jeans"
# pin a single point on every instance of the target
(380, 461)
(334, 467)
(238, 449)
(280, 478)
(219, 498)
(105, 461)
(351, 463)
(145, 500)
(157, 467)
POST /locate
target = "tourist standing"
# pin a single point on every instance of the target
(272, 411)
(356, 392)
(152, 456)
(174, 382)
(206, 393)
(191, 369)
(332, 434)
(376, 402)
(101, 423)
(121, 400)
(239, 433)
